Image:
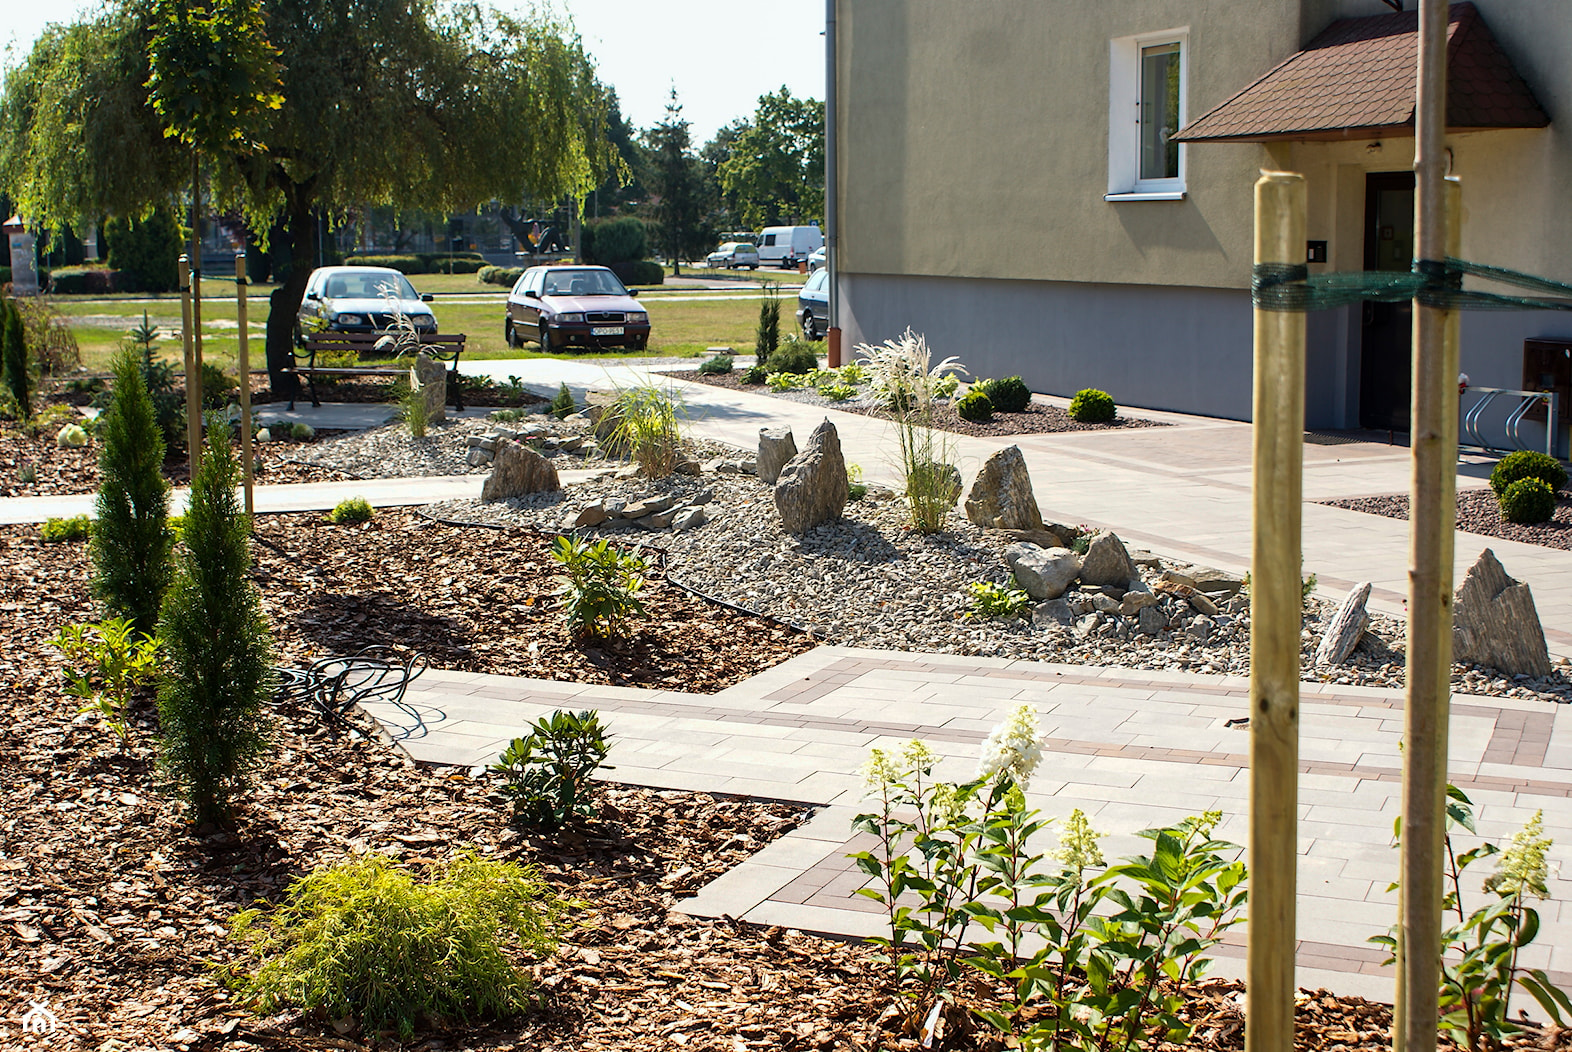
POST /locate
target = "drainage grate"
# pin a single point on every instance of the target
(1333, 438)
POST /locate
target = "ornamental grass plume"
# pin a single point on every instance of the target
(1013, 751)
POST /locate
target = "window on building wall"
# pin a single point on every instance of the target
(1146, 109)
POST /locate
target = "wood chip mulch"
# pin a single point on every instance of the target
(1035, 419)
(114, 911)
(1478, 512)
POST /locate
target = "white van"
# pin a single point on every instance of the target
(786, 246)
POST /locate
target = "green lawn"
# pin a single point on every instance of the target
(681, 328)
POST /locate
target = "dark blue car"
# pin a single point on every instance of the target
(813, 305)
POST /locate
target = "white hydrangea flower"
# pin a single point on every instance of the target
(1013, 750)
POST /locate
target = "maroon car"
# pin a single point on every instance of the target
(574, 307)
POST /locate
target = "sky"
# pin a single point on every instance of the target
(720, 54)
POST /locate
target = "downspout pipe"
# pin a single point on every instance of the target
(832, 228)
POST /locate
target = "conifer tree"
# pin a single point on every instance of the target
(131, 540)
(13, 359)
(217, 655)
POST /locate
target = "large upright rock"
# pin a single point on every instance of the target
(1494, 622)
(776, 449)
(1044, 573)
(517, 470)
(430, 377)
(1343, 632)
(1001, 496)
(813, 487)
(1106, 561)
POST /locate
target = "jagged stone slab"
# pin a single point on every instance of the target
(516, 471)
(813, 487)
(1001, 495)
(777, 447)
(1043, 573)
(1346, 628)
(1494, 621)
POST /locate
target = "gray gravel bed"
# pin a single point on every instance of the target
(1478, 512)
(869, 581)
(391, 452)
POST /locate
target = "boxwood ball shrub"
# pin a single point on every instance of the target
(975, 406)
(1009, 395)
(1528, 500)
(1091, 406)
(1526, 464)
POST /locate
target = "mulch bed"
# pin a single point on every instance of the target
(1478, 512)
(1035, 419)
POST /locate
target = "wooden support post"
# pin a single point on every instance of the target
(244, 368)
(1276, 604)
(193, 394)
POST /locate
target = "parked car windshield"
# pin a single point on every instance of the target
(583, 283)
(367, 285)
(820, 277)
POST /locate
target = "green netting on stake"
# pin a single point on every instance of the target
(1290, 287)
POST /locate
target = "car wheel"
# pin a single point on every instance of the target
(508, 335)
(546, 342)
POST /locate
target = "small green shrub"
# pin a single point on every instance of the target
(1528, 500)
(1526, 464)
(755, 375)
(994, 600)
(854, 373)
(1009, 395)
(549, 771)
(506, 416)
(794, 355)
(216, 385)
(507, 276)
(105, 662)
(1091, 406)
(719, 365)
(648, 429)
(14, 370)
(786, 381)
(351, 511)
(838, 392)
(639, 272)
(364, 939)
(562, 405)
(76, 528)
(856, 488)
(600, 589)
(302, 432)
(767, 334)
(975, 406)
(77, 281)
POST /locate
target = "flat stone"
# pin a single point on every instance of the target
(1001, 494)
(637, 510)
(1054, 611)
(518, 470)
(1144, 559)
(687, 467)
(1136, 600)
(593, 515)
(687, 518)
(478, 457)
(660, 520)
(1044, 573)
(1043, 538)
(1494, 622)
(1151, 620)
(1106, 561)
(1217, 583)
(1104, 604)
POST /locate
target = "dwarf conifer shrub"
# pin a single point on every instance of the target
(218, 667)
(767, 334)
(1091, 406)
(76, 528)
(1528, 500)
(1009, 395)
(13, 360)
(719, 365)
(351, 511)
(563, 406)
(364, 939)
(131, 542)
(1527, 464)
(975, 406)
(794, 355)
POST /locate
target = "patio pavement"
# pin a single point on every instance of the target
(1131, 748)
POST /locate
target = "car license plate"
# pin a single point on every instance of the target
(606, 330)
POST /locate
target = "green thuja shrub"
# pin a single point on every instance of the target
(1009, 395)
(1091, 406)
(1527, 464)
(767, 335)
(13, 360)
(563, 406)
(364, 939)
(218, 668)
(716, 366)
(131, 541)
(1528, 500)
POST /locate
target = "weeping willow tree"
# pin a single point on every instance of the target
(406, 105)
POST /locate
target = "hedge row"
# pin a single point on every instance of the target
(500, 275)
(423, 262)
(71, 281)
(637, 272)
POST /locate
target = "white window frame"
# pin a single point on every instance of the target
(1124, 118)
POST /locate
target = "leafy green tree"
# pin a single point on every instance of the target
(774, 172)
(385, 105)
(17, 380)
(145, 249)
(130, 544)
(674, 176)
(218, 658)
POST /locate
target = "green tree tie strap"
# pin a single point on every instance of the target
(1291, 287)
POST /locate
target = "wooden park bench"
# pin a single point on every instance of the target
(443, 347)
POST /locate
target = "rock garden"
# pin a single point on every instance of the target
(198, 854)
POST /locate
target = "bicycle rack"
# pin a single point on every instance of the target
(1527, 400)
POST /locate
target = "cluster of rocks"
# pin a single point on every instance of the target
(483, 448)
(668, 511)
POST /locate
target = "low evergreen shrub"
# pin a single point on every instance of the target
(975, 406)
(76, 528)
(1009, 395)
(1528, 500)
(131, 543)
(1091, 406)
(1526, 464)
(364, 939)
(218, 671)
(216, 386)
(793, 355)
(562, 404)
(76, 281)
(719, 365)
(507, 276)
(351, 511)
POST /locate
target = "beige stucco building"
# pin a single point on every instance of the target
(1011, 185)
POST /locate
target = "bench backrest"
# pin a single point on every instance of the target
(442, 345)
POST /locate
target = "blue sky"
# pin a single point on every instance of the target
(720, 54)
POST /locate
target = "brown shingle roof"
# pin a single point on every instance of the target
(1356, 81)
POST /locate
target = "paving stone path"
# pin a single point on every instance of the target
(1131, 748)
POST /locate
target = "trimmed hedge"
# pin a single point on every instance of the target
(72, 281)
(612, 241)
(505, 276)
(423, 262)
(639, 272)
(1528, 500)
(1091, 406)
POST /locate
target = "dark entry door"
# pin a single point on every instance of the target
(1386, 344)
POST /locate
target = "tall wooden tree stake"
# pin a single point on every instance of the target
(193, 394)
(1276, 603)
(244, 368)
(1434, 503)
